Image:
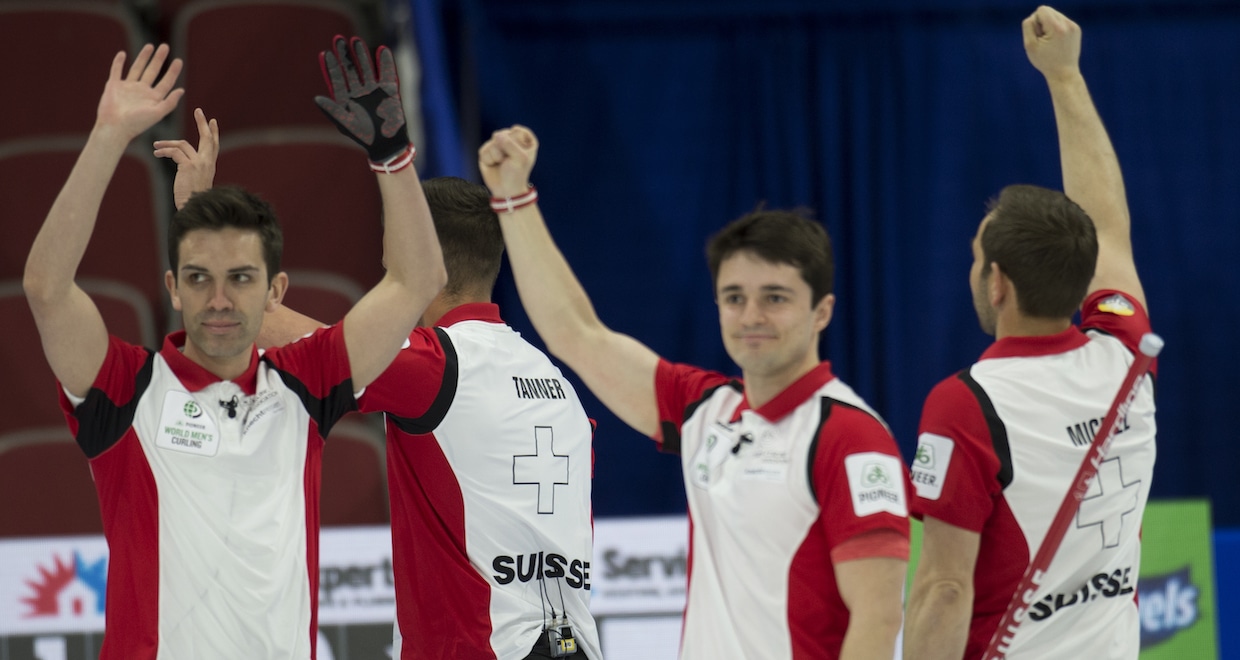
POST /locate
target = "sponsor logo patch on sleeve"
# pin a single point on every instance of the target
(1117, 305)
(934, 454)
(876, 482)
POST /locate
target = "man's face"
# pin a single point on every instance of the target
(979, 284)
(222, 293)
(769, 326)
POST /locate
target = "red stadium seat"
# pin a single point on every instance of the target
(34, 403)
(127, 245)
(66, 49)
(254, 64)
(46, 485)
(322, 296)
(322, 190)
(355, 474)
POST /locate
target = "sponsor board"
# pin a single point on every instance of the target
(1176, 590)
(640, 565)
(58, 584)
(52, 585)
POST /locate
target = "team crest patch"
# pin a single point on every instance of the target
(876, 482)
(1117, 305)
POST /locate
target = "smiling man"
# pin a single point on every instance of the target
(796, 489)
(205, 454)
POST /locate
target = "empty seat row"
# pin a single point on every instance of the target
(46, 484)
(250, 63)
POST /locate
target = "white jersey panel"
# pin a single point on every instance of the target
(1050, 407)
(751, 511)
(524, 472)
(232, 563)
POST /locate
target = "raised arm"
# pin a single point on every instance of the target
(74, 337)
(617, 368)
(1091, 173)
(368, 110)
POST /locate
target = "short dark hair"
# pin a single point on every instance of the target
(1046, 244)
(224, 207)
(779, 237)
(469, 234)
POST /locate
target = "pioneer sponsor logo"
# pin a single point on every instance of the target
(876, 483)
(1168, 606)
(542, 566)
(1103, 585)
(934, 454)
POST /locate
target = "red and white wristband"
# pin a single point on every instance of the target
(510, 204)
(396, 163)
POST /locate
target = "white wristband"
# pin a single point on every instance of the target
(396, 163)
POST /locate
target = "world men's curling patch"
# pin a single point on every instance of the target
(1117, 305)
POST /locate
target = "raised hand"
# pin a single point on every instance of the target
(505, 161)
(195, 167)
(135, 102)
(365, 108)
(1052, 42)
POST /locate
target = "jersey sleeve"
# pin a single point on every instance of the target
(409, 387)
(955, 471)
(1117, 314)
(99, 421)
(858, 477)
(317, 368)
(677, 389)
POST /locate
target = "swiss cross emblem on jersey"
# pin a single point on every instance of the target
(544, 469)
(1107, 501)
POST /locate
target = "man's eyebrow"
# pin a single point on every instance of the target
(764, 287)
(238, 269)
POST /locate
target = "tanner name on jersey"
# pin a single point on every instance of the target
(538, 388)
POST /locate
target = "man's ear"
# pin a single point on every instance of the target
(999, 287)
(823, 312)
(170, 283)
(275, 292)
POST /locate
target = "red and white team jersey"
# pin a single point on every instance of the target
(489, 469)
(771, 493)
(1000, 443)
(209, 492)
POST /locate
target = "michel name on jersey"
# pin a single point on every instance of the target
(538, 388)
(540, 565)
(1082, 433)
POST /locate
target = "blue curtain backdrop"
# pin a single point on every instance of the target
(894, 121)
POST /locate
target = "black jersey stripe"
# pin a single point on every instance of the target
(998, 431)
(438, 409)
(827, 403)
(107, 422)
(671, 431)
(324, 411)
